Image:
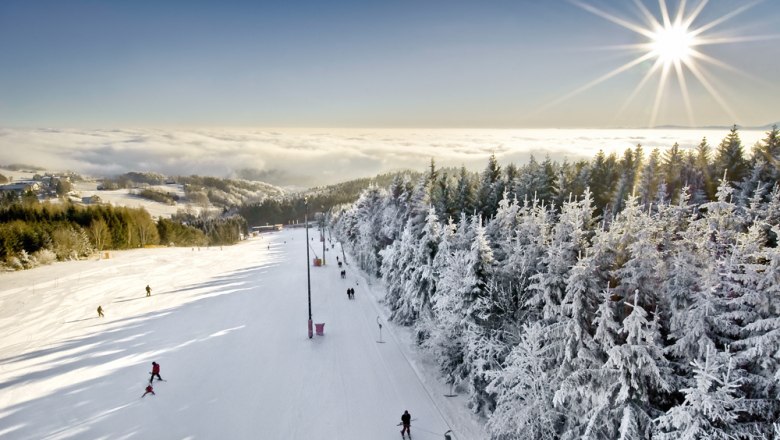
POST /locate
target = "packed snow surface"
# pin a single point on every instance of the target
(126, 197)
(228, 327)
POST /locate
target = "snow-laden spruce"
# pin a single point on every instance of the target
(657, 317)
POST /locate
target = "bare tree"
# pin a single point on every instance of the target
(99, 233)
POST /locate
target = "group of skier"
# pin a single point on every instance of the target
(154, 373)
(406, 418)
(155, 366)
(100, 307)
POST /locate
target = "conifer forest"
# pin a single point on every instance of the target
(629, 296)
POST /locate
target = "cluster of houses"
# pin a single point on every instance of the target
(43, 186)
(20, 187)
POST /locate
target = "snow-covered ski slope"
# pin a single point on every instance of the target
(228, 327)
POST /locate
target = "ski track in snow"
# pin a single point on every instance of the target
(228, 327)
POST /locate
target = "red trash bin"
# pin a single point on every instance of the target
(319, 328)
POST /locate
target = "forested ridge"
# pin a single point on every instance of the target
(288, 209)
(33, 233)
(631, 297)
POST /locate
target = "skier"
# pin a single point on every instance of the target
(406, 420)
(349, 293)
(149, 390)
(155, 372)
(100, 311)
(148, 290)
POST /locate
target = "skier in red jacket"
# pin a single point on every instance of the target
(149, 390)
(155, 372)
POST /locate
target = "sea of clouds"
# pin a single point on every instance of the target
(312, 157)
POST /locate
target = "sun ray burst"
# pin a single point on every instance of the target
(673, 44)
(684, 89)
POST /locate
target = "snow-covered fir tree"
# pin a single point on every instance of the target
(711, 406)
(525, 390)
(560, 324)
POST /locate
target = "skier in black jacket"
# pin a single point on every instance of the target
(406, 420)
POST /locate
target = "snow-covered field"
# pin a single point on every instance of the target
(125, 197)
(119, 197)
(228, 327)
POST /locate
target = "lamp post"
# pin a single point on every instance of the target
(308, 275)
(322, 224)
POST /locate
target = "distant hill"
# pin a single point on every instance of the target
(765, 127)
(22, 167)
(291, 207)
(198, 190)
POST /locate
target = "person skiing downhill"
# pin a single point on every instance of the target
(155, 372)
(148, 290)
(406, 420)
(149, 390)
(100, 311)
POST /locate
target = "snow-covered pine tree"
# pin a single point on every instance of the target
(395, 211)
(419, 204)
(642, 270)
(579, 351)
(491, 187)
(586, 397)
(649, 178)
(752, 282)
(391, 273)
(579, 310)
(397, 274)
(445, 332)
(569, 237)
(481, 319)
(464, 192)
(368, 224)
(524, 391)
(730, 157)
(427, 326)
(502, 228)
(689, 290)
(524, 257)
(761, 345)
(640, 371)
(711, 406)
(606, 324)
(420, 282)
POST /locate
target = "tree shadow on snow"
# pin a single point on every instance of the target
(104, 373)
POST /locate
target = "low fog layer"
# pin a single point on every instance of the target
(317, 157)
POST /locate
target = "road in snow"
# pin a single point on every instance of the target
(228, 326)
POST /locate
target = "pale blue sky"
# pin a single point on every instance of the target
(422, 63)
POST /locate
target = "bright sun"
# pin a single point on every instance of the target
(673, 47)
(672, 44)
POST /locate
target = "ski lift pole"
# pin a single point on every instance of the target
(322, 220)
(308, 275)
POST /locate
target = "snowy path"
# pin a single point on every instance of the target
(228, 327)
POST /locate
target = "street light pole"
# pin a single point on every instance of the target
(308, 275)
(323, 238)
